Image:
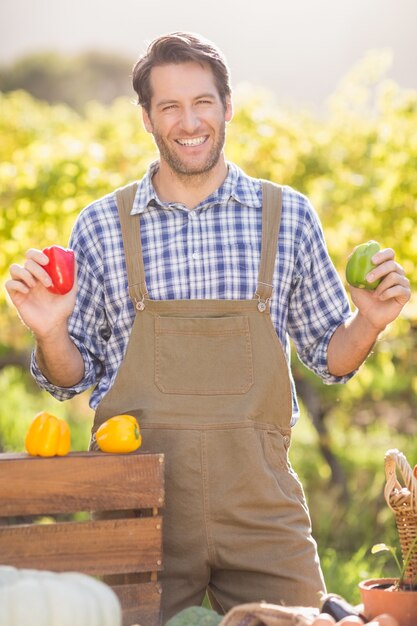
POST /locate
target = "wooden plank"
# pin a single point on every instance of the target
(97, 547)
(141, 603)
(83, 481)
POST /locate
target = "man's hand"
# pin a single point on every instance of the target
(351, 342)
(39, 309)
(385, 303)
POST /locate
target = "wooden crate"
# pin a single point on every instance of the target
(119, 540)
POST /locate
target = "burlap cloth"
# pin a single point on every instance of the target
(263, 614)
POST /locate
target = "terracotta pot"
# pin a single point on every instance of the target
(378, 597)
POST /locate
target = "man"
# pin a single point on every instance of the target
(185, 323)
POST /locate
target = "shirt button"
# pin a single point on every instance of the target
(192, 215)
(196, 255)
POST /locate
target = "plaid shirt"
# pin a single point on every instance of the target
(210, 252)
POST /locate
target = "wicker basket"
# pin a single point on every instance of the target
(402, 500)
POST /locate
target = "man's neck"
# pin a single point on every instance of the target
(188, 190)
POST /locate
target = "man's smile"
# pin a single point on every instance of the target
(195, 141)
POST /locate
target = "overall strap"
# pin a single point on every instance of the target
(271, 219)
(132, 244)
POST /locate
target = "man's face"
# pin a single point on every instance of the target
(187, 117)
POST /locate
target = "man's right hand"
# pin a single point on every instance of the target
(46, 315)
(39, 309)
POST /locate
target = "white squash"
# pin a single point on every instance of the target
(42, 598)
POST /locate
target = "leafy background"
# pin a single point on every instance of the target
(357, 162)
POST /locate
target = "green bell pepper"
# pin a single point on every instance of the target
(360, 264)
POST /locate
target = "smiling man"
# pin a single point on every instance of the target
(191, 282)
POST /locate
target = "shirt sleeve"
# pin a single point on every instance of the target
(319, 303)
(65, 393)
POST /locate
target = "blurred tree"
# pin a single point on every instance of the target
(73, 80)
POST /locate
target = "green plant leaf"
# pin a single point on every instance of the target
(381, 547)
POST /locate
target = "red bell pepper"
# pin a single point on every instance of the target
(60, 268)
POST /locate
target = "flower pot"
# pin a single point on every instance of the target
(378, 596)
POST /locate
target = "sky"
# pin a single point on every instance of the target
(299, 49)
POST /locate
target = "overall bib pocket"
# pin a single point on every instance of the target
(203, 356)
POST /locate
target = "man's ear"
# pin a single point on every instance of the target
(147, 121)
(228, 113)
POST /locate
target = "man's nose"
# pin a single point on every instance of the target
(189, 120)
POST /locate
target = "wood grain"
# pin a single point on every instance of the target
(97, 547)
(35, 485)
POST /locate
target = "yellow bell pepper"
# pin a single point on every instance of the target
(119, 434)
(48, 436)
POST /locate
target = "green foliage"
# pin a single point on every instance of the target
(343, 571)
(357, 164)
(402, 564)
(54, 162)
(347, 530)
(382, 547)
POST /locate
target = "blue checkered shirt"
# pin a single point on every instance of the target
(210, 252)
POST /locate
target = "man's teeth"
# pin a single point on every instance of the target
(191, 142)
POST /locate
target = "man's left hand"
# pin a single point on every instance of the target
(383, 305)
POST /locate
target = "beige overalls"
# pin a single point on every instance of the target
(208, 383)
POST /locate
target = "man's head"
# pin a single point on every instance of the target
(178, 48)
(183, 87)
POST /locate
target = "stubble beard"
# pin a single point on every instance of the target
(191, 173)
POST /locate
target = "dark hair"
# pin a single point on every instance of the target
(179, 48)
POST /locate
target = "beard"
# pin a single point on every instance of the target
(185, 169)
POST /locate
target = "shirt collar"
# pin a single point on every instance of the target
(145, 194)
(237, 185)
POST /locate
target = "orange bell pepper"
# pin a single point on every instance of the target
(119, 434)
(48, 436)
